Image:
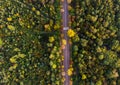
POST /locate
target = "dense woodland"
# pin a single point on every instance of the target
(30, 33)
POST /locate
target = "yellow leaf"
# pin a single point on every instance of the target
(15, 66)
(51, 22)
(54, 66)
(69, 72)
(9, 19)
(64, 42)
(71, 33)
(21, 55)
(10, 27)
(56, 26)
(13, 60)
(37, 12)
(84, 77)
(33, 8)
(47, 27)
(1, 42)
(51, 39)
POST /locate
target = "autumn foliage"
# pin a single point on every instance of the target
(30, 52)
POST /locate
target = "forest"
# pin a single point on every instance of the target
(30, 42)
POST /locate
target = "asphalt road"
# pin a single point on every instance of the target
(66, 50)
